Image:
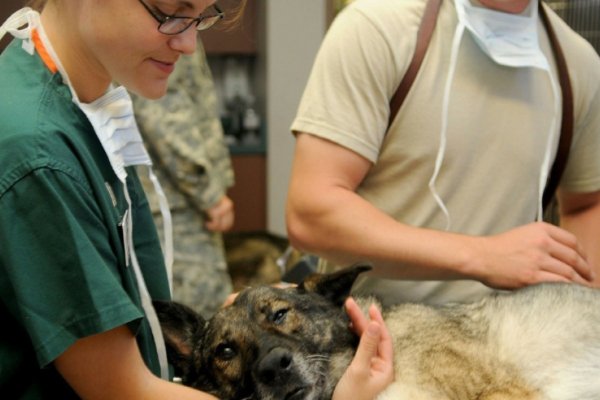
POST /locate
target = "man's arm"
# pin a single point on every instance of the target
(109, 366)
(325, 216)
(580, 214)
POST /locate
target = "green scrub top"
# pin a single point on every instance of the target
(63, 273)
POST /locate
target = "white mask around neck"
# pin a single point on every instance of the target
(510, 40)
(113, 120)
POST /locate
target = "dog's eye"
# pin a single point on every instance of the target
(225, 352)
(279, 316)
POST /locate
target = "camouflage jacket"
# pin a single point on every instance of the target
(183, 133)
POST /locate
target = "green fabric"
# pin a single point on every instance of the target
(62, 263)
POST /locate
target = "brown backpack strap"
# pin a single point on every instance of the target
(566, 133)
(424, 33)
(566, 129)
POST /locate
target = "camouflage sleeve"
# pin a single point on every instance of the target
(183, 133)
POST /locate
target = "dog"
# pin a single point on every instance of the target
(540, 342)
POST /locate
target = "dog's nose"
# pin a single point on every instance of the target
(275, 366)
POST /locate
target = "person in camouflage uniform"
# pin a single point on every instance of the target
(184, 136)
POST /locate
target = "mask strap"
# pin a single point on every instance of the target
(149, 310)
(47, 47)
(458, 33)
(24, 17)
(165, 212)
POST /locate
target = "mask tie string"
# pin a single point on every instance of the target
(20, 25)
(458, 33)
(149, 310)
(165, 212)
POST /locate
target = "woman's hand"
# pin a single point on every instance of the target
(372, 369)
(221, 216)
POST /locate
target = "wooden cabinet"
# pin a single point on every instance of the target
(249, 192)
(239, 38)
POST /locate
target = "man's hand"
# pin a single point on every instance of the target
(534, 253)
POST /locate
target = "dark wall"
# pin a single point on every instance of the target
(7, 7)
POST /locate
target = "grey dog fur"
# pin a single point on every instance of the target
(537, 343)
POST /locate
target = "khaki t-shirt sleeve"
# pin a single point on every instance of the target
(357, 69)
(582, 173)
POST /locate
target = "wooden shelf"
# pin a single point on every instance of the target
(240, 38)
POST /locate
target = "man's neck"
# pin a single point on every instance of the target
(508, 6)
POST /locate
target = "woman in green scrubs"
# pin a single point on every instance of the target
(80, 258)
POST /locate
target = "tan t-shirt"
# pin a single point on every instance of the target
(499, 122)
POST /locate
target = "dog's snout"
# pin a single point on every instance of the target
(274, 366)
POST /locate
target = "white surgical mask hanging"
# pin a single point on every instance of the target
(113, 120)
(510, 40)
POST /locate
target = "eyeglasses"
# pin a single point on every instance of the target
(173, 24)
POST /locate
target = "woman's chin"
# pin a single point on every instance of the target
(153, 91)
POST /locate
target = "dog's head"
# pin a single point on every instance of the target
(271, 344)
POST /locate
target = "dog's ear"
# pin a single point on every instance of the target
(335, 286)
(183, 330)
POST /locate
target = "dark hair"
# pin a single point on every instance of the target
(36, 4)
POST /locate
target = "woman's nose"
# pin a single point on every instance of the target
(185, 42)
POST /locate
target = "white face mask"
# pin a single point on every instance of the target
(113, 120)
(509, 40)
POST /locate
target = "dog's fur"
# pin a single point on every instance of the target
(542, 342)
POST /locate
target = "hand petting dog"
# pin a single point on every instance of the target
(372, 368)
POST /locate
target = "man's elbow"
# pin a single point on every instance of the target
(298, 232)
(302, 230)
